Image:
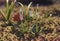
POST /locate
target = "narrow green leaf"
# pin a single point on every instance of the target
(10, 9)
(21, 4)
(8, 15)
(37, 29)
(7, 8)
(29, 5)
(2, 13)
(12, 5)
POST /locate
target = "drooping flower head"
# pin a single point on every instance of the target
(19, 16)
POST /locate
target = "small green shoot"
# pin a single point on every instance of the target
(8, 10)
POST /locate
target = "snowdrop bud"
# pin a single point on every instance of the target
(21, 14)
(21, 17)
(50, 14)
(31, 13)
(37, 6)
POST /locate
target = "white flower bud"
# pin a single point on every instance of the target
(31, 13)
(21, 17)
(37, 6)
(50, 14)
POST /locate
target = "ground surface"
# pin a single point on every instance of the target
(52, 33)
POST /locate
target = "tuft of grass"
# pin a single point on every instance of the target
(9, 9)
(27, 8)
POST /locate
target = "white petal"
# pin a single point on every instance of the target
(21, 17)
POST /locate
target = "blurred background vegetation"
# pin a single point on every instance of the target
(41, 2)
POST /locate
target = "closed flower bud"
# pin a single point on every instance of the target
(31, 13)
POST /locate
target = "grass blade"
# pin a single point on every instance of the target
(10, 9)
(2, 13)
(21, 4)
(29, 5)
